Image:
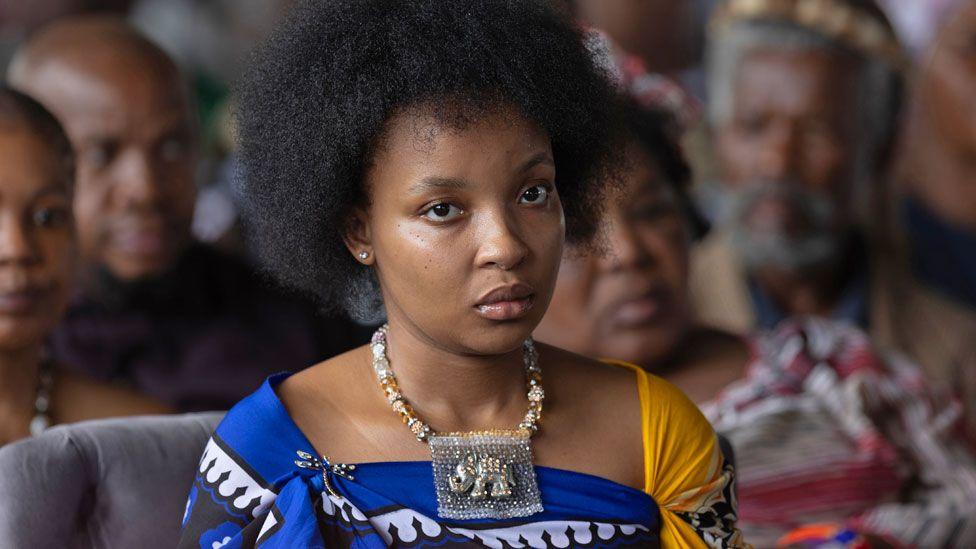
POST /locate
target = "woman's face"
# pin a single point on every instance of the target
(37, 246)
(465, 230)
(630, 302)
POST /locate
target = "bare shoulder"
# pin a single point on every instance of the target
(329, 382)
(78, 397)
(575, 374)
(607, 395)
(340, 409)
(329, 399)
(599, 403)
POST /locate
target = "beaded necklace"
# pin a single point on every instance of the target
(480, 474)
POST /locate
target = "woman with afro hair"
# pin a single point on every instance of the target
(423, 162)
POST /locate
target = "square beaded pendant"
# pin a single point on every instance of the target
(484, 475)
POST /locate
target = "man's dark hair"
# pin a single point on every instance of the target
(318, 95)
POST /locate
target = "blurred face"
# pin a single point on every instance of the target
(943, 96)
(787, 155)
(130, 125)
(37, 248)
(466, 229)
(630, 303)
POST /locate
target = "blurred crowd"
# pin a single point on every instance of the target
(793, 244)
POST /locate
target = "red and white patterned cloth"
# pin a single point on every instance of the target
(826, 430)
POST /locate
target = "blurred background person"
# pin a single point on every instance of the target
(608, 303)
(938, 171)
(209, 40)
(37, 259)
(931, 212)
(179, 320)
(825, 430)
(803, 112)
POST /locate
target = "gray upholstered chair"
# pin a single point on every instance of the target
(107, 483)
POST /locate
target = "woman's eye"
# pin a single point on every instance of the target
(442, 212)
(536, 194)
(173, 150)
(50, 217)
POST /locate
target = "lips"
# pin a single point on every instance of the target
(642, 309)
(506, 303)
(141, 236)
(141, 241)
(21, 301)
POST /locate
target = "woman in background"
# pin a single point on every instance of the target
(834, 442)
(37, 258)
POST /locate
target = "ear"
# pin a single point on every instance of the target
(357, 237)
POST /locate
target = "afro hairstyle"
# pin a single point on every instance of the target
(317, 96)
(657, 132)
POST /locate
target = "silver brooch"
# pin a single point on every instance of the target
(308, 461)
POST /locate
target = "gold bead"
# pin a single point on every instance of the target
(421, 430)
(418, 428)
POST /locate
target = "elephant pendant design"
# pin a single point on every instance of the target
(482, 476)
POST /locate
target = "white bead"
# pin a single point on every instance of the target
(39, 424)
(535, 393)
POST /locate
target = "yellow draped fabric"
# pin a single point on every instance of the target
(684, 468)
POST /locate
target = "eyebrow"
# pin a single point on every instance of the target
(541, 159)
(434, 183)
(453, 183)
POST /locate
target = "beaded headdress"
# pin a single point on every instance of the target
(859, 25)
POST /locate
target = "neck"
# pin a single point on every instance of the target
(150, 292)
(456, 391)
(799, 294)
(19, 371)
(707, 361)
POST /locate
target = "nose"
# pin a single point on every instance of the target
(17, 247)
(502, 244)
(139, 183)
(779, 158)
(626, 250)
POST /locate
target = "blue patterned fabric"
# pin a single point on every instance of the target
(249, 492)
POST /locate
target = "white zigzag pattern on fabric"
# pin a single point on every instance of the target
(237, 478)
(269, 522)
(533, 533)
(348, 511)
